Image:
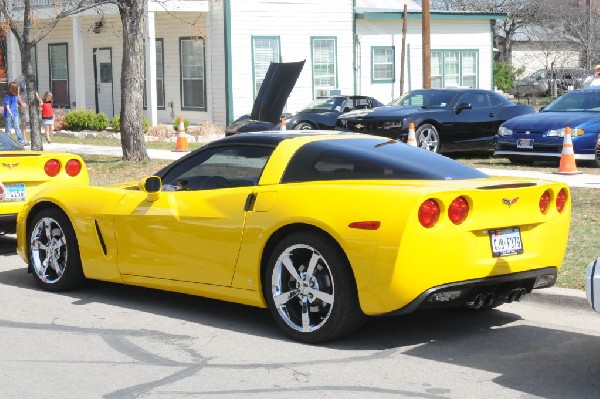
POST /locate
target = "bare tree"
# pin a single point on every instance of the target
(29, 25)
(133, 18)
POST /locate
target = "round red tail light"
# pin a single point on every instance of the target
(544, 201)
(458, 210)
(561, 200)
(52, 167)
(429, 213)
(73, 167)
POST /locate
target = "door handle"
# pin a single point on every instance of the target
(491, 115)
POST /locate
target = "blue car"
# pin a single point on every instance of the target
(539, 136)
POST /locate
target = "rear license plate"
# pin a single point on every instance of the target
(525, 143)
(506, 242)
(15, 192)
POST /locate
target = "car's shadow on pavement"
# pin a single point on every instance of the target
(543, 362)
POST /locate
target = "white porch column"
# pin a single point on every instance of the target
(151, 100)
(79, 64)
(13, 58)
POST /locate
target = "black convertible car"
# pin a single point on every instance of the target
(445, 120)
(323, 112)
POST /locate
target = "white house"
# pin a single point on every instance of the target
(205, 59)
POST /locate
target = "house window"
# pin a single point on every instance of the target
(160, 77)
(324, 65)
(382, 64)
(454, 68)
(59, 74)
(193, 82)
(264, 51)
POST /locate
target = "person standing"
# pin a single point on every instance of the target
(47, 114)
(593, 80)
(23, 112)
(12, 102)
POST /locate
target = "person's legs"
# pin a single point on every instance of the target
(24, 118)
(47, 132)
(14, 124)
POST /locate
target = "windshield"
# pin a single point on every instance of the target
(426, 98)
(576, 101)
(325, 105)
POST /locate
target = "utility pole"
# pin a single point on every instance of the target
(426, 46)
(403, 56)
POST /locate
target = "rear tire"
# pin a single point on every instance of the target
(53, 251)
(310, 289)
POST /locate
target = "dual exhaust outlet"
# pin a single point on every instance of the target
(485, 300)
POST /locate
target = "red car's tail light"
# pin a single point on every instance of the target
(429, 213)
(544, 201)
(561, 200)
(52, 167)
(73, 167)
(458, 210)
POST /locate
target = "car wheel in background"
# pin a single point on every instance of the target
(428, 138)
(304, 126)
(53, 251)
(310, 289)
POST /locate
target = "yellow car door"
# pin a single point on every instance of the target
(191, 236)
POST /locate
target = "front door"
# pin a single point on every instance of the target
(103, 77)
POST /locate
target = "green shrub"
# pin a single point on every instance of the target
(116, 124)
(505, 75)
(186, 124)
(85, 119)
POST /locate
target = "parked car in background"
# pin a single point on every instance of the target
(323, 112)
(538, 136)
(269, 103)
(446, 120)
(24, 172)
(257, 219)
(543, 81)
(592, 284)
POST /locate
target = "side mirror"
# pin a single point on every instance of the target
(151, 186)
(461, 107)
(347, 109)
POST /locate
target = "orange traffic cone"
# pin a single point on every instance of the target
(567, 157)
(283, 125)
(412, 139)
(182, 144)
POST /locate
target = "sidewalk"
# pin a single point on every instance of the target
(556, 296)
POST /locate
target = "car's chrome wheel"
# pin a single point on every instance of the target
(428, 138)
(53, 251)
(310, 290)
(304, 126)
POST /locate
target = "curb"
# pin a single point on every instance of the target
(568, 297)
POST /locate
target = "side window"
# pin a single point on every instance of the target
(477, 100)
(219, 167)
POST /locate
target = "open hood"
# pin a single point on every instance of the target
(279, 81)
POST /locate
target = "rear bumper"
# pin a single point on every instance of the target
(459, 293)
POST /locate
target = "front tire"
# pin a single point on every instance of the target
(304, 126)
(310, 289)
(54, 258)
(428, 138)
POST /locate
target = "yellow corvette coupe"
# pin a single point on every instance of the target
(25, 172)
(322, 229)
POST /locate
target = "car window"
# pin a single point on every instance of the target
(371, 159)
(219, 167)
(477, 100)
(426, 98)
(7, 144)
(325, 104)
(576, 101)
